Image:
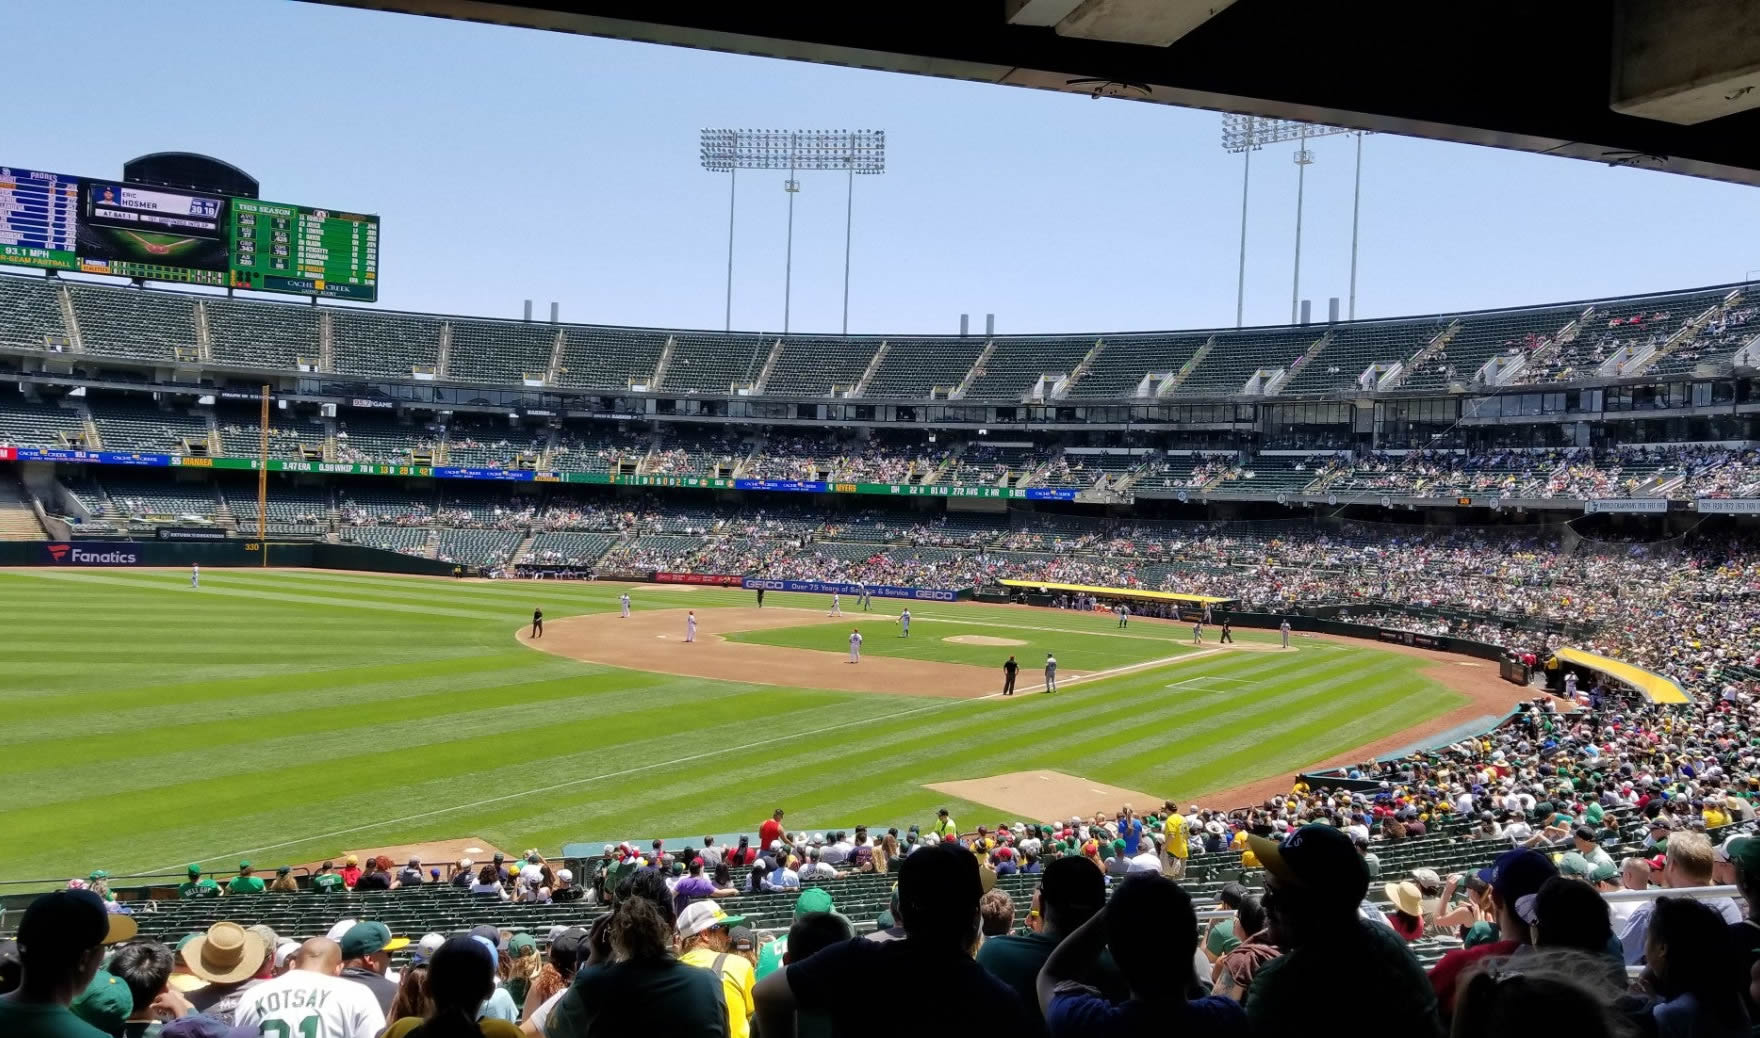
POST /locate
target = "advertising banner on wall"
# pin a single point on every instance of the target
(827, 587)
(711, 579)
(90, 553)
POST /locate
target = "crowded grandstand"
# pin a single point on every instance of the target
(1555, 501)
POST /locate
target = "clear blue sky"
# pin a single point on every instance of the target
(509, 164)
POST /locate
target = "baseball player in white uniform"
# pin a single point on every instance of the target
(855, 645)
(690, 626)
(865, 597)
(195, 574)
(836, 605)
(904, 624)
(1050, 673)
(623, 601)
(1284, 628)
(1197, 632)
(311, 1000)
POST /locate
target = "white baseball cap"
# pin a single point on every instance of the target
(702, 915)
(341, 928)
(428, 945)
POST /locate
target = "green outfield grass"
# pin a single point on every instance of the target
(283, 716)
(1081, 643)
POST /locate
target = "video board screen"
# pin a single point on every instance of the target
(59, 222)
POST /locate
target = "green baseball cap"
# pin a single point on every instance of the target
(1604, 872)
(98, 874)
(1744, 854)
(813, 899)
(194, 869)
(243, 865)
(1574, 864)
(364, 939)
(522, 944)
(105, 1003)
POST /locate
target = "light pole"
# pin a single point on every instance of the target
(1246, 134)
(850, 151)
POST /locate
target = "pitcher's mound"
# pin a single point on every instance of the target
(981, 639)
(1046, 795)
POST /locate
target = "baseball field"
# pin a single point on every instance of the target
(283, 716)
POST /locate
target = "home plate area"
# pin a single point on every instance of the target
(1209, 683)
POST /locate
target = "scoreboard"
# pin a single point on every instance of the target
(59, 222)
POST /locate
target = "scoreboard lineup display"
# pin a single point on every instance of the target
(57, 222)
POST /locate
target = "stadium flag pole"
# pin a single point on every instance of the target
(1240, 281)
(263, 479)
(849, 211)
(1356, 208)
(732, 186)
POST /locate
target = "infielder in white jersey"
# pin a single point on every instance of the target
(690, 626)
(836, 605)
(623, 600)
(855, 645)
(311, 1000)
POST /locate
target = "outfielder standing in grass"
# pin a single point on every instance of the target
(904, 624)
(195, 574)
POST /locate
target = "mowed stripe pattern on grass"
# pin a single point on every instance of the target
(150, 724)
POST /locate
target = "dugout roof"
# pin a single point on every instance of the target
(1652, 84)
(1654, 687)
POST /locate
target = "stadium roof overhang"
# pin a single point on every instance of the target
(1643, 83)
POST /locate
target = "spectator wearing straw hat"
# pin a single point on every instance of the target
(61, 941)
(231, 960)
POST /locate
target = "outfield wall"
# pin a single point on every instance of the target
(109, 554)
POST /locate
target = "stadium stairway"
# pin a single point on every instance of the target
(17, 520)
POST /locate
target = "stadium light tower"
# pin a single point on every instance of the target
(1246, 134)
(848, 151)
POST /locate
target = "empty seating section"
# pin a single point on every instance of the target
(1483, 336)
(1019, 360)
(984, 464)
(145, 427)
(813, 367)
(241, 434)
(493, 445)
(695, 456)
(505, 352)
(1235, 356)
(594, 451)
(383, 345)
(127, 322)
(913, 368)
(1120, 367)
(160, 499)
(385, 508)
(409, 540)
(303, 510)
(568, 549)
(29, 423)
(477, 547)
(30, 312)
(1351, 348)
(609, 358)
(1271, 475)
(361, 439)
(715, 363)
(262, 335)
